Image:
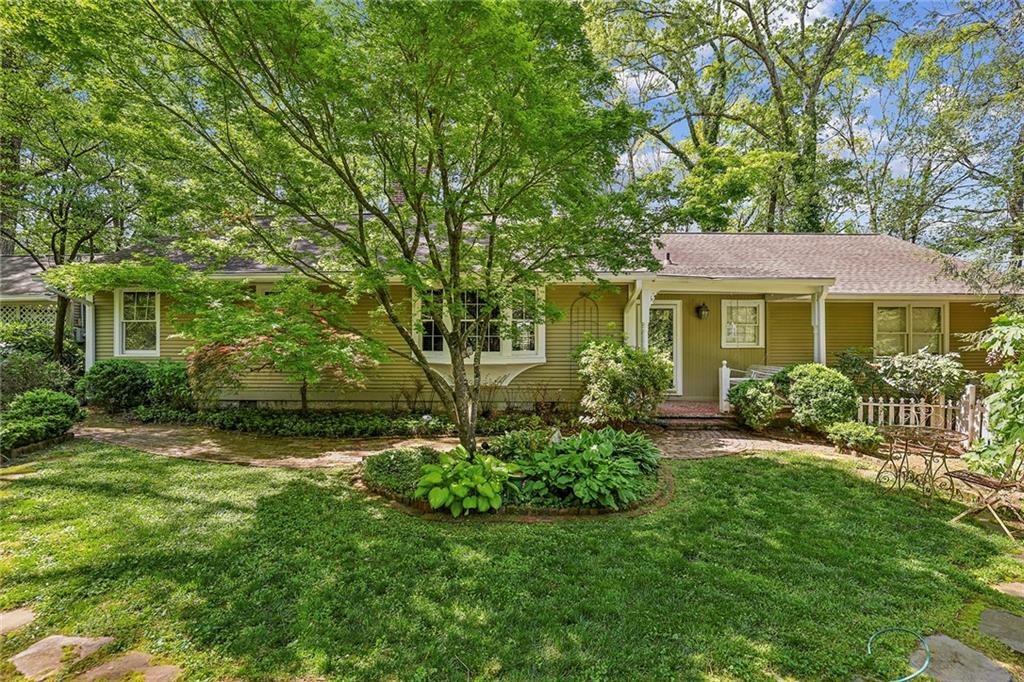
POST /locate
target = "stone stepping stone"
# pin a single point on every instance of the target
(1004, 626)
(131, 666)
(1012, 589)
(12, 620)
(954, 661)
(46, 656)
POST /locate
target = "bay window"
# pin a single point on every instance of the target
(517, 320)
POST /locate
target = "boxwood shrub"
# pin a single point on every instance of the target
(821, 397)
(397, 470)
(117, 384)
(36, 416)
(855, 437)
(756, 403)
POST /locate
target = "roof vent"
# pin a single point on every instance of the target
(668, 258)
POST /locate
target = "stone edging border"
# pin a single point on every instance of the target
(41, 445)
(525, 514)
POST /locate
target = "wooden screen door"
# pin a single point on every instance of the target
(664, 334)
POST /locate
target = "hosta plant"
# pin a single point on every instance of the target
(464, 484)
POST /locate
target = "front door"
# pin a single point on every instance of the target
(664, 335)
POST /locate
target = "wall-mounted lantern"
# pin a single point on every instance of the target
(703, 311)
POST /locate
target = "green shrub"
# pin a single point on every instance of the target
(117, 385)
(511, 446)
(463, 485)
(169, 386)
(855, 437)
(821, 396)
(397, 470)
(42, 402)
(756, 403)
(859, 366)
(583, 471)
(621, 384)
(923, 374)
(19, 337)
(21, 431)
(166, 415)
(23, 371)
(36, 416)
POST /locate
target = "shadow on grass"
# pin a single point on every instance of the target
(760, 565)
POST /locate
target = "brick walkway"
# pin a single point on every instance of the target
(215, 445)
(702, 444)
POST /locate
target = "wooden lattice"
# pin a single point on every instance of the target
(584, 323)
(34, 314)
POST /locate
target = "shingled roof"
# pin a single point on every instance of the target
(19, 276)
(860, 263)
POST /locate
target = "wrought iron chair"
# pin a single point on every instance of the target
(1005, 492)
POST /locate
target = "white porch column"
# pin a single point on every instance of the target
(818, 321)
(90, 332)
(646, 298)
(630, 320)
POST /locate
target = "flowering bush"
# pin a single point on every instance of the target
(621, 384)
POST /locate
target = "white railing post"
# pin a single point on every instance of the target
(724, 376)
(969, 408)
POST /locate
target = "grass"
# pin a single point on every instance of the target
(765, 565)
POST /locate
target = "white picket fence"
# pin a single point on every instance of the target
(966, 415)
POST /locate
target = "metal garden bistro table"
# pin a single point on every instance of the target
(920, 456)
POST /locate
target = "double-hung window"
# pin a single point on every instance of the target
(137, 323)
(908, 328)
(430, 338)
(512, 334)
(742, 324)
(486, 334)
(524, 324)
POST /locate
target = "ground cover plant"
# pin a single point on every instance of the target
(765, 566)
(397, 471)
(331, 424)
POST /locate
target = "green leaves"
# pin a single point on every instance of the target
(590, 470)
(462, 484)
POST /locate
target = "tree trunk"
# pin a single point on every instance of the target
(59, 325)
(304, 396)
(807, 207)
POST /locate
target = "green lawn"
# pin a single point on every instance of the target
(759, 566)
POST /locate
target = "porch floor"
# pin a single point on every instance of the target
(688, 408)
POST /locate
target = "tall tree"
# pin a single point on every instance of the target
(972, 65)
(454, 148)
(72, 178)
(748, 86)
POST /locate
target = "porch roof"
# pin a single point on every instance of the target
(859, 264)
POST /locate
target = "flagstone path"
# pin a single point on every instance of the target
(51, 655)
(18, 618)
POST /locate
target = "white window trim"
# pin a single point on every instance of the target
(759, 304)
(909, 305)
(505, 356)
(119, 350)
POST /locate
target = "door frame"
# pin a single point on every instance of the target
(677, 342)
